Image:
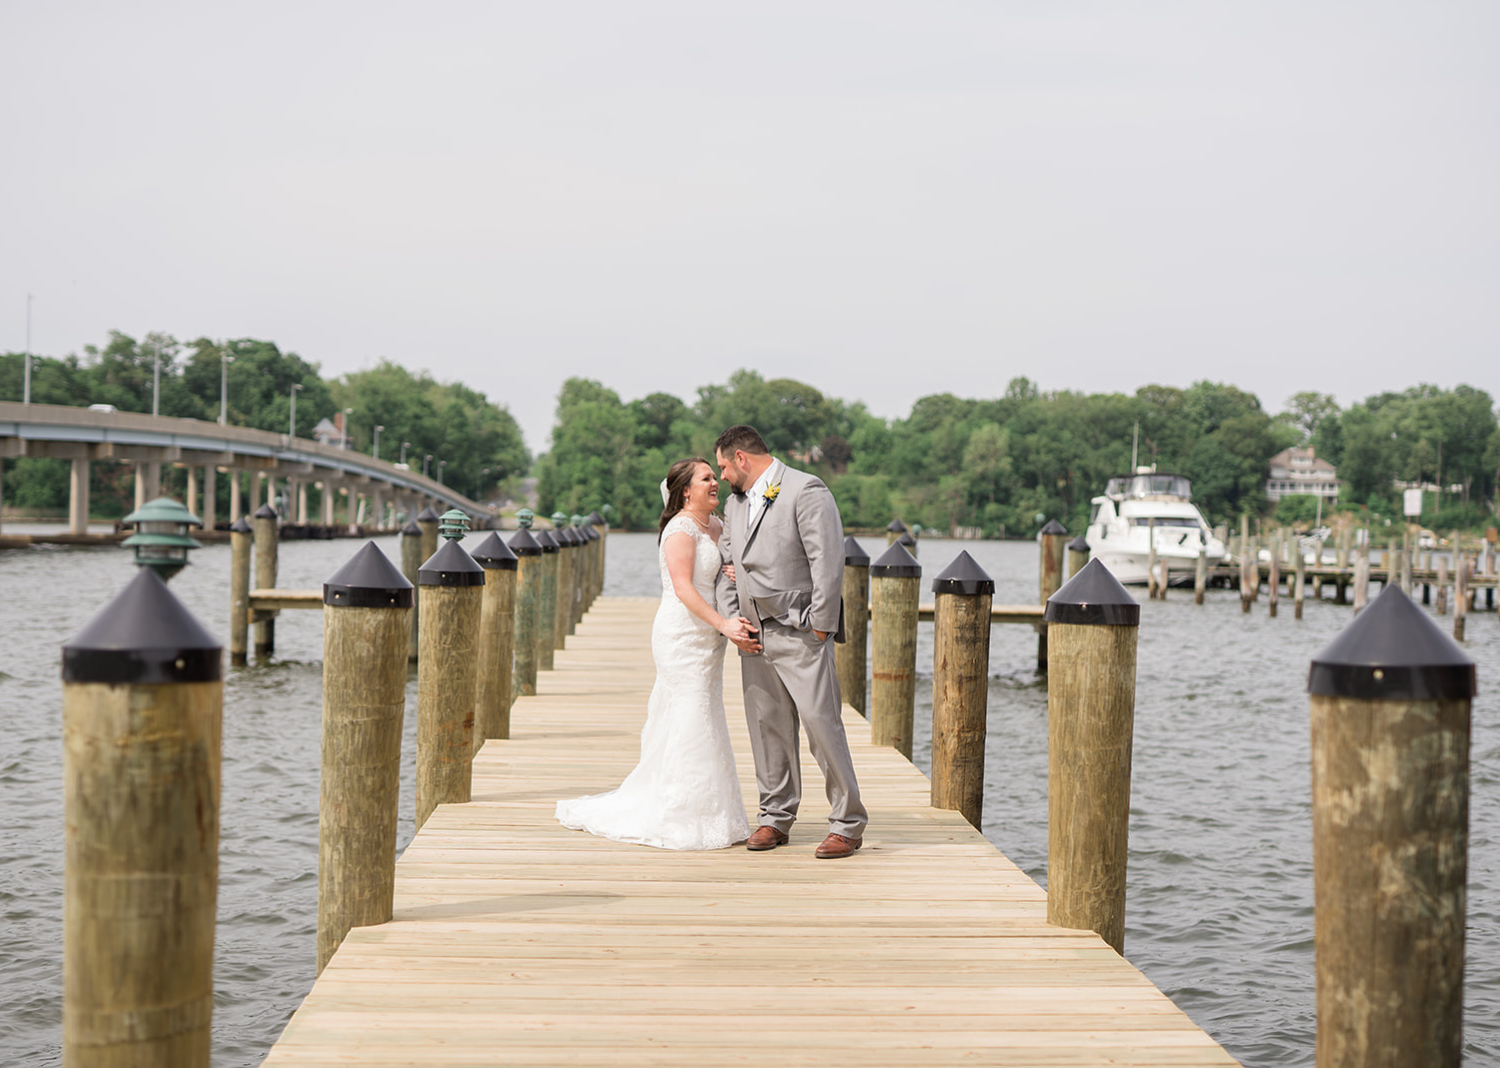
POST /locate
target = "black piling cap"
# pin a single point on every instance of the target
(241, 526)
(525, 544)
(896, 526)
(854, 556)
(896, 562)
(428, 515)
(411, 530)
(494, 554)
(1093, 597)
(1078, 545)
(545, 539)
(1054, 527)
(368, 580)
(565, 537)
(143, 636)
(594, 519)
(265, 511)
(591, 534)
(1393, 651)
(450, 566)
(963, 576)
(906, 539)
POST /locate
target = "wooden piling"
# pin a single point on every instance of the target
(963, 594)
(1153, 587)
(1390, 713)
(893, 532)
(1273, 581)
(264, 523)
(529, 576)
(1361, 581)
(895, 587)
(1078, 555)
(1299, 578)
(411, 563)
(1090, 731)
(427, 522)
(497, 640)
(851, 657)
(142, 712)
(1200, 576)
(1442, 586)
(1460, 595)
(563, 608)
(366, 628)
(546, 642)
(1053, 541)
(241, 543)
(451, 587)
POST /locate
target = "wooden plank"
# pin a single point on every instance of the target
(269, 600)
(517, 940)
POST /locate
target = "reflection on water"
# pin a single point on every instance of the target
(1219, 912)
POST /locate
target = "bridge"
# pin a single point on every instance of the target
(256, 460)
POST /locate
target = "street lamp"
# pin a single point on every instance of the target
(156, 382)
(376, 451)
(425, 461)
(26, 391)
(404, 446)
(224, 361)
(440, 471)
(292, 430)
(344, 428)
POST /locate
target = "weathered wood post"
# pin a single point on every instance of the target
(452, 592)
(893, 532)
(241, 544)
(1299, 578)
(1090, 731)
(529, 575)
(427, 522)
(1361, 581)
(582, 569)
(265, 577)
(1390, 706)
(497, 640)
(963, 594)
(1273, 592)
(546, 632)
(366, 627)
(1152, 584)
(563, 609)
(1200, 576)
(895, 587)
(1442, 586)
(411, 563)
(143, 697)
(850, 658)
(1078, 555)
(1053, 541)
(1460, 594)
(600, 526)
(908, 541)
(1392, 564)
(1249, 566)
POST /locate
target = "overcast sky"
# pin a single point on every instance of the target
(883, 200)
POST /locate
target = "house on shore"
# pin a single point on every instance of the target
(1297, 471)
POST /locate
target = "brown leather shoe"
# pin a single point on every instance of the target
(765, 838)
(837, 845)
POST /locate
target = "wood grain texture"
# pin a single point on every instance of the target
(364, 703)
(411, 563)
(1390, 796)
(518, 941)
(852, 656)
(893, 660)
(960, 701)
(240, 548)
(497, 646)
(265, 578)
(530, 573)
(447, 684)
(141, 772)
(1090, 728)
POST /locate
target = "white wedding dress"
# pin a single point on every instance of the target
(685, 792)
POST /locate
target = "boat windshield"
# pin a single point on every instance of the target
(1152, 485)
(1168, 521)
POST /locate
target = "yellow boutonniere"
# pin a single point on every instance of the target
(772, 492)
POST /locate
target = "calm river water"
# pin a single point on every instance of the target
(1219, 912)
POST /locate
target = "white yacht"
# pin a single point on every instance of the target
(1137, 508)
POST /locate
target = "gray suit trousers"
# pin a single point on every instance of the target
(792, 681)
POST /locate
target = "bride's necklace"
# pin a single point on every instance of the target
(702, 523)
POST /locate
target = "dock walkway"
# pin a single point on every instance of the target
(516, 941)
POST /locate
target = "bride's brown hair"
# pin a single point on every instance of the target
(679, 478)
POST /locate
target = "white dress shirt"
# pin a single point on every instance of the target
(755, 496)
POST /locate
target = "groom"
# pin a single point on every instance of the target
(783, 536)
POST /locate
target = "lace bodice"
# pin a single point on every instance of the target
(706, 562)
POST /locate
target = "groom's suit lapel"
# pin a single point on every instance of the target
(778, 472)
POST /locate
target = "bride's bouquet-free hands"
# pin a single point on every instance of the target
(741, 633)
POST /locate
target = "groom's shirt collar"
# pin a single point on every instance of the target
(755, 496)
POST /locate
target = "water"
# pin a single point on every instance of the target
(1219, 911)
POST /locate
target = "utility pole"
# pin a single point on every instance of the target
(26, 389)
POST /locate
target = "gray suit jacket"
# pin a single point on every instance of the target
(789, 566)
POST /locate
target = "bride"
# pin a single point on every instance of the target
(685, 792)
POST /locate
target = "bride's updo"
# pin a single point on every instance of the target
(676, 484)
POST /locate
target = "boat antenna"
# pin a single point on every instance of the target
(1135, 447)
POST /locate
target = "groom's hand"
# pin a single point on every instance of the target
(743, 636)
(822, 635)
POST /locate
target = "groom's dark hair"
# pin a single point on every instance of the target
(742, 438)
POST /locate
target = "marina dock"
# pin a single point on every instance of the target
(517, 941)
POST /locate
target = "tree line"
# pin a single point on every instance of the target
(478, 440)
(1003, 466)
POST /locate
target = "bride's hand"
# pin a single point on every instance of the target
(740, 632)
(729, 572)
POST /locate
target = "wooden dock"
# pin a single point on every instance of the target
(516, 941)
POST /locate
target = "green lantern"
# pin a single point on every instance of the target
(524, 518)
(453, 524)
(559, 520)
(161, 540)
(578, 520)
